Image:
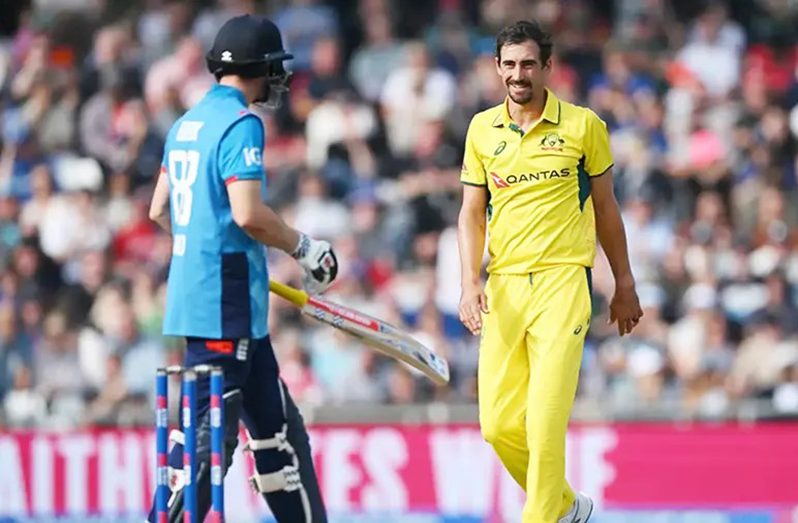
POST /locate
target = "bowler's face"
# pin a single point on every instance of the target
(521, 70)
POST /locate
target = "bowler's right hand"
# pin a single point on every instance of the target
(473, 303)
(318, 261)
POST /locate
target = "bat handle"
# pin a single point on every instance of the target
(295, 296)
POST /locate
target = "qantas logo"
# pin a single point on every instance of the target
(502, 183)
(499, 181)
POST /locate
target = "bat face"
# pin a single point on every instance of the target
(415, 350)
(381, 335)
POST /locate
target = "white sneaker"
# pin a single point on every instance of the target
(580, 511)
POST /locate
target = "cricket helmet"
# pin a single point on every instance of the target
(248, 46)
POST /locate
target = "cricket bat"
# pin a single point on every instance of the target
(381, 335)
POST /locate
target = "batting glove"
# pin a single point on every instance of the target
(318, 262)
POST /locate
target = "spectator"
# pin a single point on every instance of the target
(41, 183)
(401, 386)
(112, 50)
(295, 368)
(339, 119)
(99, 127)
(104, 408)
(161, 28)
(372, 63)
(713, 52)
(317, 214)
(77, 297)
(323, 78)
(184, 73)
(211, 18)
(15, 349)
(755, 369)
(143, 145)
(58, 370)
(23, 406)
(413, 94)
(10, 235)
(72, 224)
(302, 23)
(785, 395)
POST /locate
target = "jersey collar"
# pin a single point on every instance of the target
(551, 111)
(225, 90)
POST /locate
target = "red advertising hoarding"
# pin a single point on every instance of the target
(445, 470)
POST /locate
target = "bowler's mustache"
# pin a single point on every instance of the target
(518, 83)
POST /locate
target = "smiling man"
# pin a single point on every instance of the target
(538, 172)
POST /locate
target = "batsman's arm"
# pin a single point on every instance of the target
(257, 219)
(316, 257)
(159, 206)
(240, 166)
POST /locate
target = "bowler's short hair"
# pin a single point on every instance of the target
(525, 31)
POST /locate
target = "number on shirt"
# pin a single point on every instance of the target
(183, 168)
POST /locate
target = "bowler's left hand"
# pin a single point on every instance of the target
(625, 308)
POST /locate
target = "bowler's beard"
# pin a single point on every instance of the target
(523, 99)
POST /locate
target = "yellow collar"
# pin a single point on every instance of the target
(551, 112)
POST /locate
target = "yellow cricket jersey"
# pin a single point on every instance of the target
(540, 213)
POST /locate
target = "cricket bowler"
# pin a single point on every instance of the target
(537, 175)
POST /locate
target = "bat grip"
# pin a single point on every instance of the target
(295, 296)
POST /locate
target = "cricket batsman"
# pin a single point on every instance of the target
(208, 196)
(538, 170)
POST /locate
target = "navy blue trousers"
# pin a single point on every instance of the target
(265, 406)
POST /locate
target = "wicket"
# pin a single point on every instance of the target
(189, 426)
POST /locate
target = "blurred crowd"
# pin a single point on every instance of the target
(701, 100)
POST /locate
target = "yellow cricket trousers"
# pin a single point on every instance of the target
(529, 359)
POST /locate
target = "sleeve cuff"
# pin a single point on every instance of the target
(253, 175)
(602, 172)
